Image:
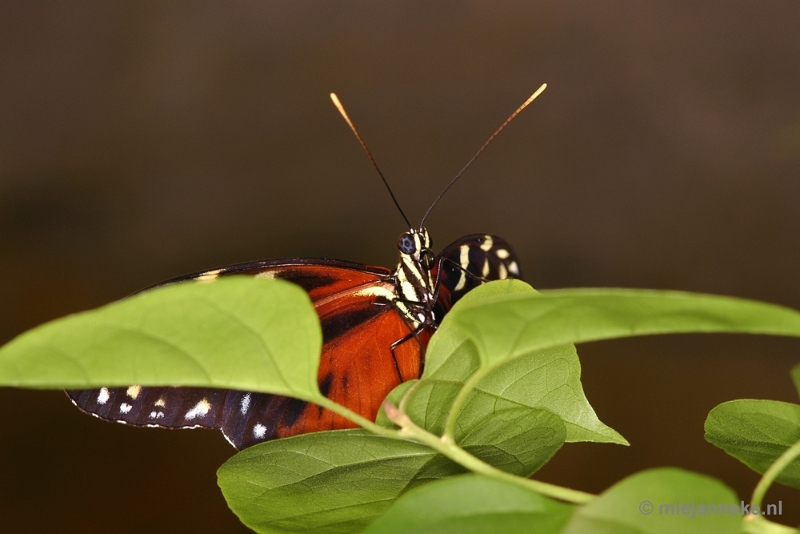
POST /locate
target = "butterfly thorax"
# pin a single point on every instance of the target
(414, 280)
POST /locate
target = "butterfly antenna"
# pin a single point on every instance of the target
(519, 109)
(340, 107)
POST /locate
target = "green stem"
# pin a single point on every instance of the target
(407, 395)
(758, 524)
(409, 430)
(458, 403)
(359, 420)
(772, 473)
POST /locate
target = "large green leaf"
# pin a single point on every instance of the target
(547, 379)
(332, 482)
(472, 504)
(661, 501)
(510, 326)
(757, 432)
(236, 332)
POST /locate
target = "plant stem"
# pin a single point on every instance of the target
(772, 473)
(757, 524)
(363, 422)
(409, 430)
(407, 395)
(458, 403)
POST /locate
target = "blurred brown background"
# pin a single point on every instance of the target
(141, 140)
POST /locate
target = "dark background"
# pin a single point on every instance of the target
(140, 140)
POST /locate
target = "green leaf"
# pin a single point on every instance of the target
(518, 440)
(236, 332)
(329, 482)
(510, 326)
(333, 482)
(548, 379)
(472, 504)
(661, 501)
(796, 377)
(757, 432)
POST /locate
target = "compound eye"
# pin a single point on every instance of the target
(427, 259)
(406, 244)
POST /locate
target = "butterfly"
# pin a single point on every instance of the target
(376, 324)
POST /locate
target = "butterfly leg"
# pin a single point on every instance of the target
(412, 335)
(466, 271)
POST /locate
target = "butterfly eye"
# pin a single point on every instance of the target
(427, 259)
(406, 244)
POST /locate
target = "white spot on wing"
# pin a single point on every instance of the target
(487, 244)
(103, 396)
(513, 268)
(244, 404)
(485, 271)
(259, 431)
(270, 275)
(502, 253)
(463, 256)
(209, 276)
(161, 403)
(464, 262)
(157, 415)
(200, 409)
(133, 391)
(503, 274)
(125, 407)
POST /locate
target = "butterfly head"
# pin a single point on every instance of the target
(415, 245)
(414, 276)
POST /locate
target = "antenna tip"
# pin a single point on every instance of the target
(539, 91)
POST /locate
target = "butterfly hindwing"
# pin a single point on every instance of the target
(154, 406)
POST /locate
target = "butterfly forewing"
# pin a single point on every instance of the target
(359, 366)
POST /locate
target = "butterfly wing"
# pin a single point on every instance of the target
(469, 262)
(368, 349)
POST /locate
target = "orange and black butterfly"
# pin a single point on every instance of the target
(376, 323)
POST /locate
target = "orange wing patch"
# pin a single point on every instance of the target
(368, 350)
